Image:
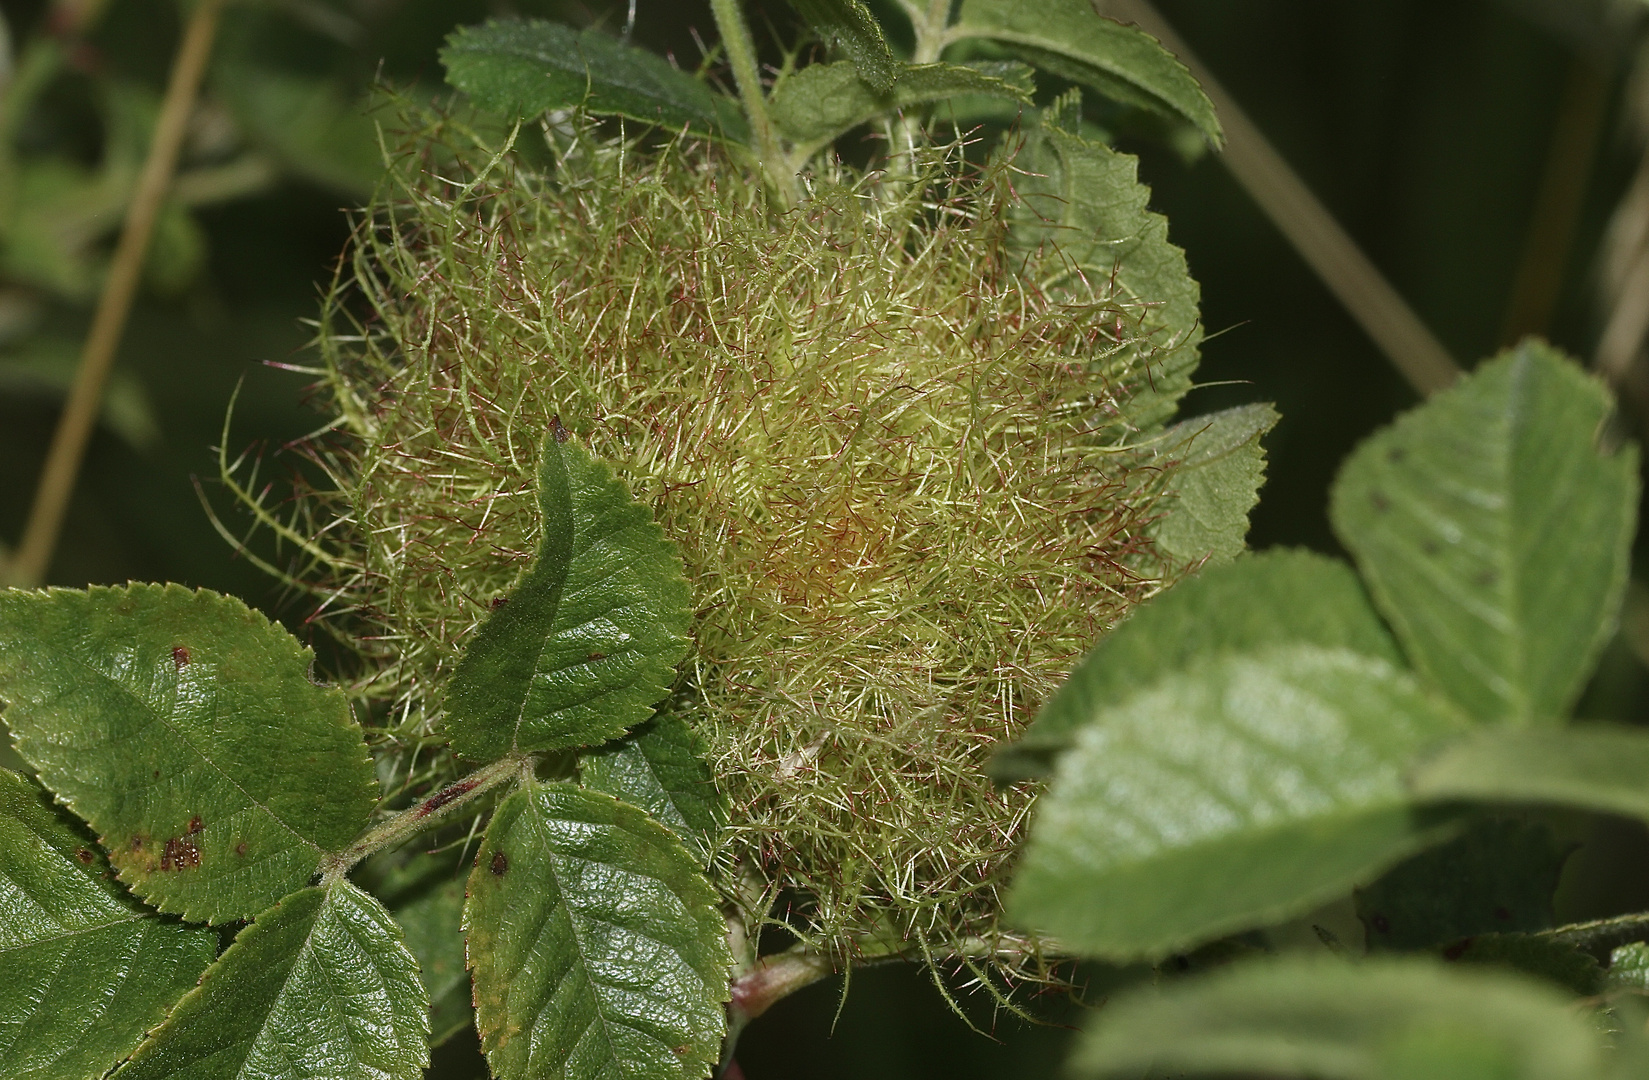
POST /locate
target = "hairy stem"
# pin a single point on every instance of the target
(932, 35)
(428, 812)
(741, 54)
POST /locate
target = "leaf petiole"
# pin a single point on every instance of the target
(427, 812)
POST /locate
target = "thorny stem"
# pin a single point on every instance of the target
(741, 54)
(427, 812)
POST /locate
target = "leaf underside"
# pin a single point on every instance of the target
(587, 643)
(1271, 598)
(1591, 767)
(1494, 533)
(1069, 39)
(86, 971)
(320, 987)
(1328, 1019)
(531, 66)
(597, 948)
(184, 727)
(1245, 791)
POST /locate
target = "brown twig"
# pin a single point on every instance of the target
(74, 428)
(1326, 247)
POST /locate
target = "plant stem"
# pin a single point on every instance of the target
(931, 36)
(427, 812)
(765, 982)
(1602, 936)
(74, 429)
(741, 54)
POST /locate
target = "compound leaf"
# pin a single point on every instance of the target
(1246, 790)
(86, 970)
(660, 768)
(1271, 598)
(823, 101)
(1324, 1018)
(1068, 38)
(850, 27)
(1215, 485)
(320, 987)
(530, 66)
(185, 728)
(1084, 200)
(1493, 532)
(588, 642)
(1593, 767)
(596, 944)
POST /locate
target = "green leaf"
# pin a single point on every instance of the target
(1497, 876)
(821, 102)
(596, 944)
(433, 922)
(1215, 485)
(530, 66)
(184, 727)
(1593, 767)
(588, 642)
(1539, 955)
(850, 27)
(1068, 38)
(1629, 967)
(1084, 198)
(1244, 791)
(1327, 1019)
(86, 970)
(660, 768)
(320, 987)
(1494, 532)
(1275, 597)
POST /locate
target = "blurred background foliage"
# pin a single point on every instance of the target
(1488, 155)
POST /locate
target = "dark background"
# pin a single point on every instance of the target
(1424, 125)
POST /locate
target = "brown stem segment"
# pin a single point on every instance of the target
(74, 429)
(429, 810)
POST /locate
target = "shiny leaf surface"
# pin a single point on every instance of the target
(86, 970)
(184, 727)
(320, 987)
(660, 768)
(596, 943)
(588, 641)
